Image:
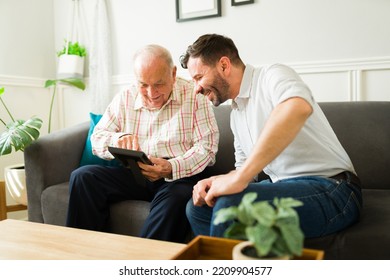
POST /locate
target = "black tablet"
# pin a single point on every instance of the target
(129, 159)
(124, 155)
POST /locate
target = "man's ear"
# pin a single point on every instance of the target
(174, 70)
(224, 65)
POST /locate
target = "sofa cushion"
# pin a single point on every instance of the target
(364, 239)
(123, 223)
(87, 156)
(363, 129)
(55, 206)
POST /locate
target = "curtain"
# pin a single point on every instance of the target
(100, 60)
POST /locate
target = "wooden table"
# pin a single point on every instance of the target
(27, 240)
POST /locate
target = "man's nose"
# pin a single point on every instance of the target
(151, 90)
(199, 89)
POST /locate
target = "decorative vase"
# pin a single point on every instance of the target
(15, 182)
(70, 66)
(239, 253)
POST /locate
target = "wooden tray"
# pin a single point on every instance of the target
(214, 248)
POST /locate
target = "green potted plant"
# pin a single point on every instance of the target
(71, 60)
(271, 230)
(73, 49)
(17, 135)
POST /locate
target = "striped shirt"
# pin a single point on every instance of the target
(184, 130)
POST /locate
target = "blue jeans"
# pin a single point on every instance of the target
(329, 205)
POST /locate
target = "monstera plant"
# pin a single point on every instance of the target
(17, 133)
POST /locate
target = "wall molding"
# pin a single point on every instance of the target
(352, 66)
(21, 81)
(373, 63)
(355, 71)
(121, 80)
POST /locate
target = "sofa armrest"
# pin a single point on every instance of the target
(50, 161)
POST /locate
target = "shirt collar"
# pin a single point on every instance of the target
(245, 88)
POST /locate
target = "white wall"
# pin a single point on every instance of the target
(266, 31)
(303, 33)
(341, 48)
(297, 32)
(26, 60)
(26, 32)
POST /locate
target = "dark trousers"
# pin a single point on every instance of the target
(93, 188)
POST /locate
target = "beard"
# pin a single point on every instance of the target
(220, 91)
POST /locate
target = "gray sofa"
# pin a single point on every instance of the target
(362, 127)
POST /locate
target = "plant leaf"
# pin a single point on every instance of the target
(236, 231)
(264, 213)
(5, 144)
(74, 82)
(19, 134)
(262, 238)
(248, 198)
(287, 202)
(280, 248)
(292, 234)
(73, 49)
(225, 214)
(244, 214)
(1, 90)
(50, 83)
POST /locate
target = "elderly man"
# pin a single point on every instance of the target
(162, 116)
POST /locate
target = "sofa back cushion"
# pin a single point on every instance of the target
(363, 128)
(225, 155)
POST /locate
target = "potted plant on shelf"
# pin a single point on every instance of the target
(71, 60)
(271, 230)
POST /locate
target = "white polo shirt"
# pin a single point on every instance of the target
(315, 151)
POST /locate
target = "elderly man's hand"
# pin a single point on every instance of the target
(129, 142)
(161, 168)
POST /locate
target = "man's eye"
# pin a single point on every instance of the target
(197, 79)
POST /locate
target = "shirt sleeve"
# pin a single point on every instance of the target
(205, 142)
(108, 129)
(284, 83)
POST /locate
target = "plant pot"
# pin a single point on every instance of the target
(240, 248)
(70, 66)
(15, 181)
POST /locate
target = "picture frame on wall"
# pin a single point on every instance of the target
(187, 10)
(242, 2)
